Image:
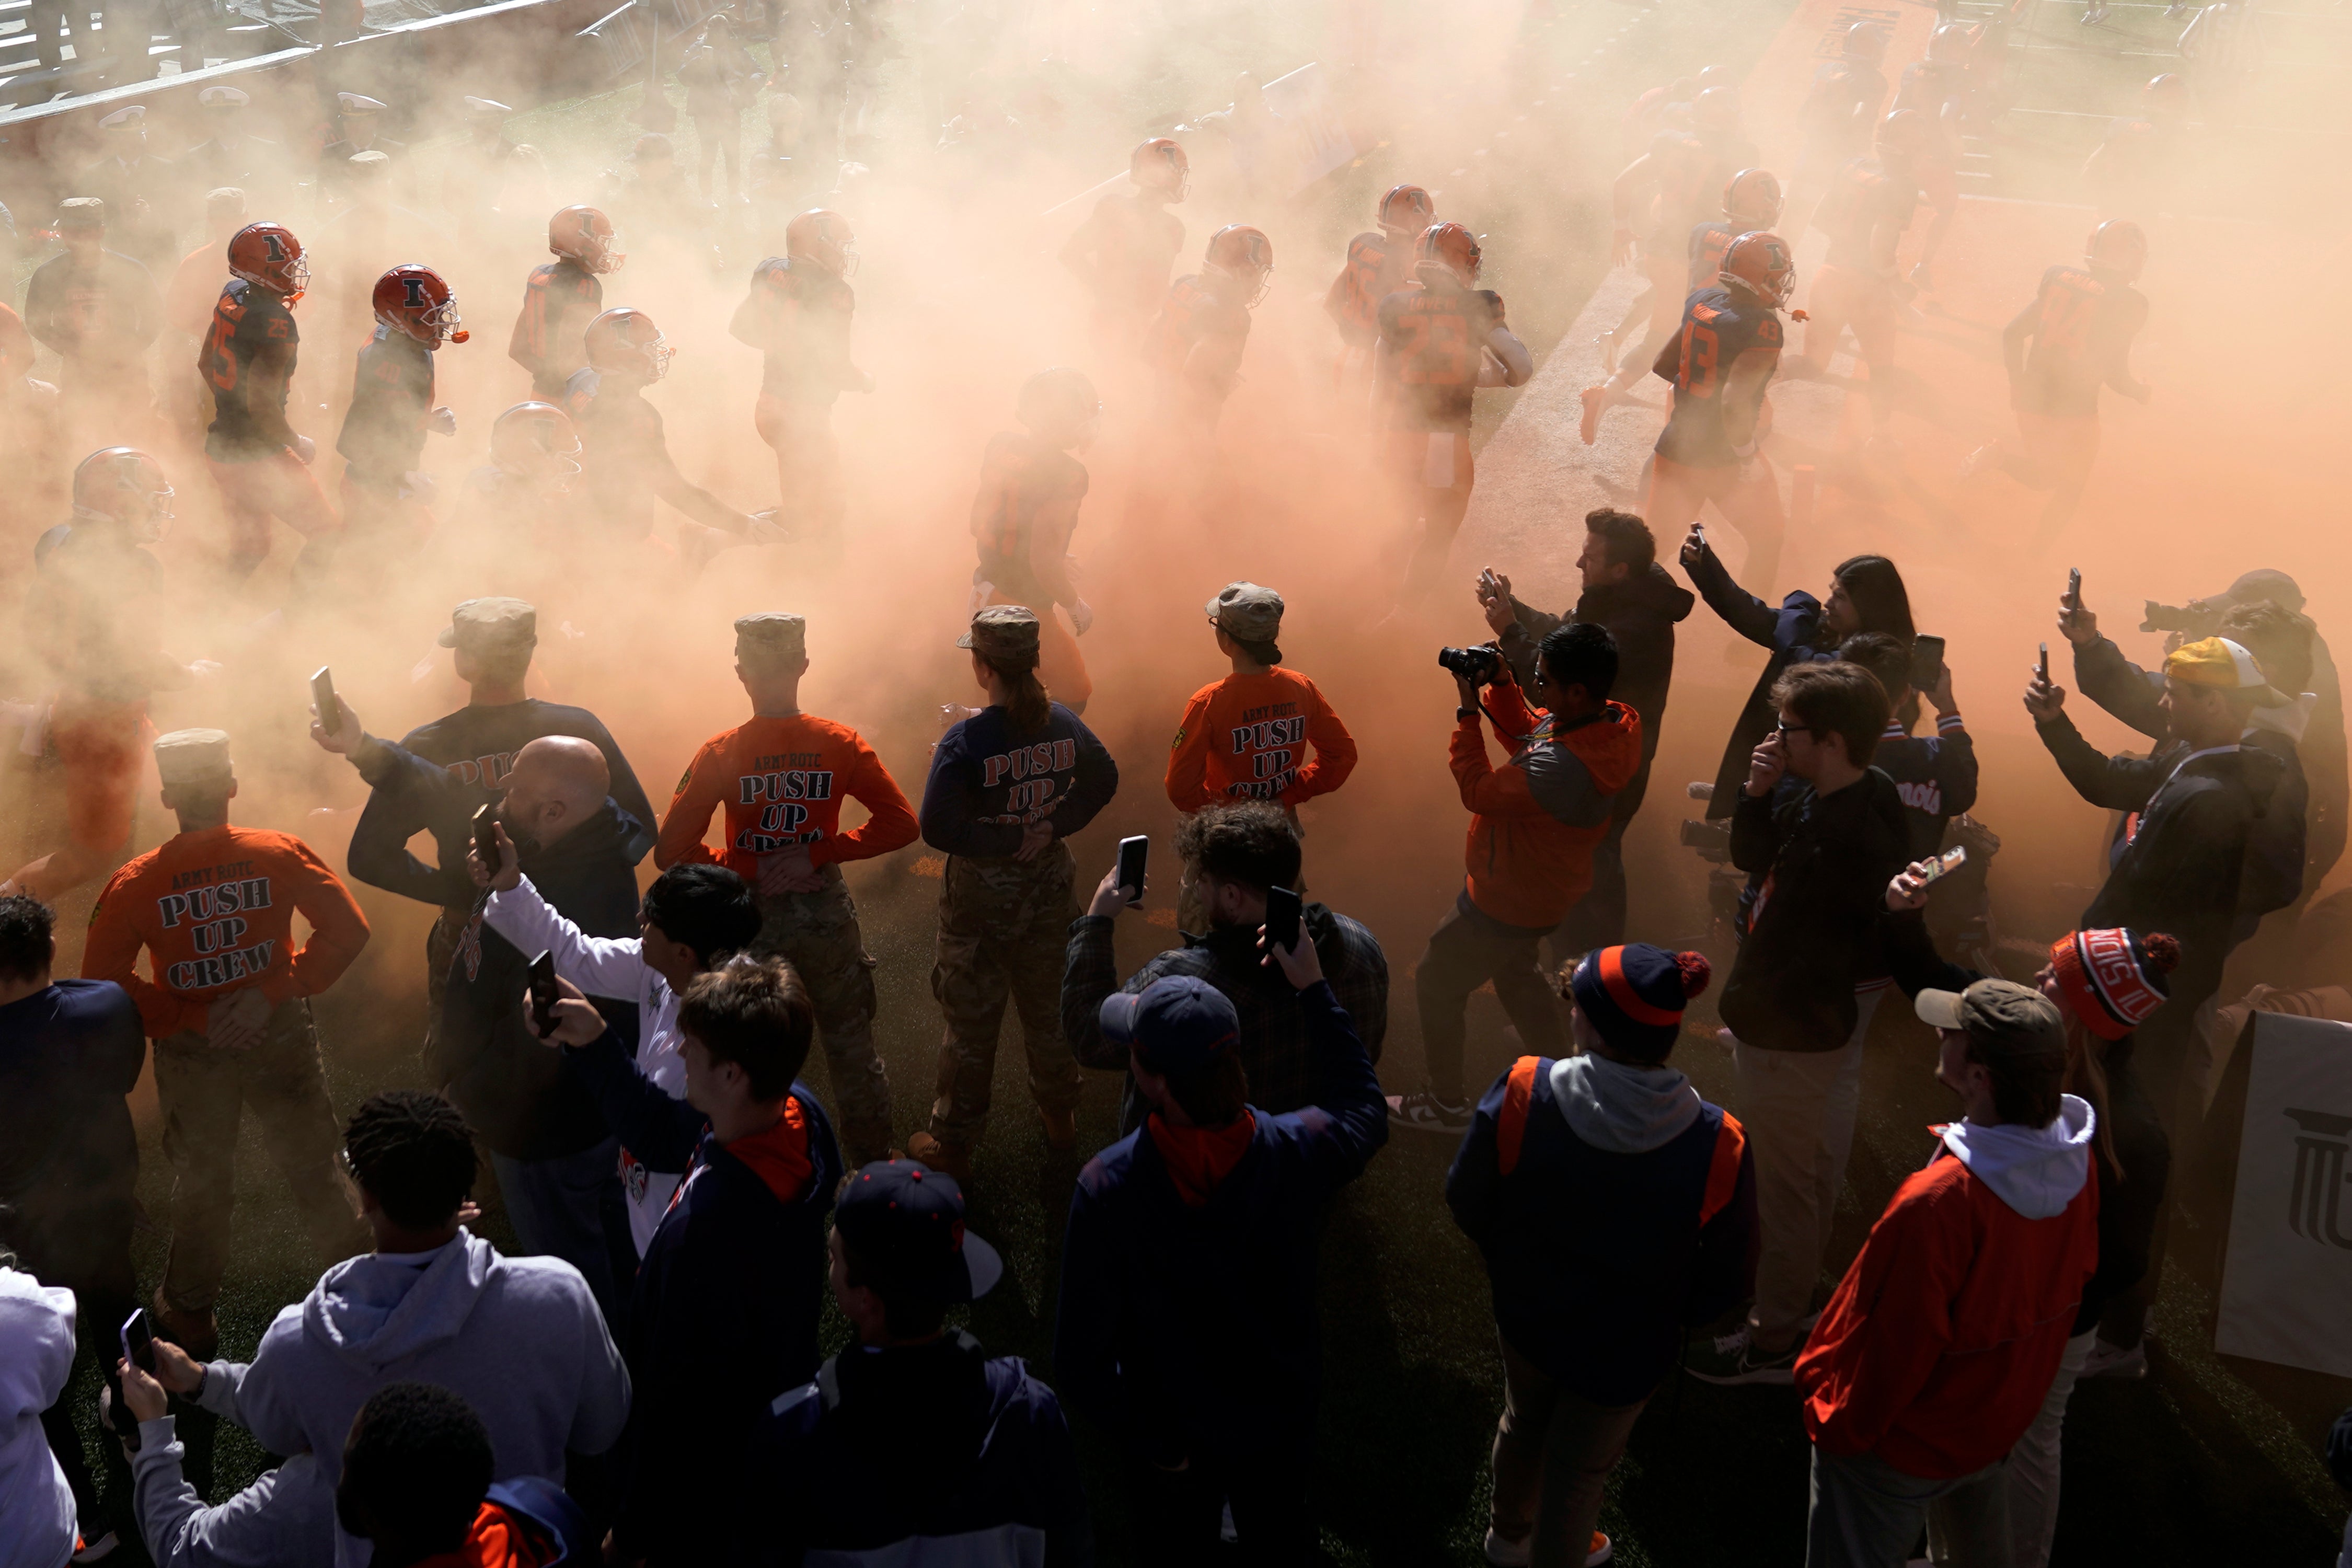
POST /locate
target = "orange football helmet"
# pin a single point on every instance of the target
(267, 254)
(1161, 164)
(537, 439)
(1451, 247)
(1407, 210)
(1752, 199)
(586, 236)
(1240, 251)
(626, 341)
(1760, 263)
(124, 484)
(2118, 246)
(414, 299)
(821, 235)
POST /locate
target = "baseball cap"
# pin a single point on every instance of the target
(1248, 611)
(2221, 664)
(490, 622)
(903, 1221)
(771, 635)
(81, 212)
(1002, 631)
(1999, 1017)
(1178, 1024)
(193, 756)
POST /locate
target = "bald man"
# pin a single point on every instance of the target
(558, 1164)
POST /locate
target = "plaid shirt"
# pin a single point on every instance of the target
(1274, 1032)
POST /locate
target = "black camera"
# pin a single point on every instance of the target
(1478, 665)
(2197, 619)
(1712, 839)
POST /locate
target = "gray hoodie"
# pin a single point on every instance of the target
(1622, 1109)
(519, 1338)
(2036, 1171)
(286, 1516)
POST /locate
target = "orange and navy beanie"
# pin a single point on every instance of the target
(1635, 995)
(2114, 979)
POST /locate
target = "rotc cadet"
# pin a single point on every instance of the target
(1245, 737)
(1007, 785)
(1195, 343)
(507, 523)
(1719, 364)
(797, 315)
(720, 79)
(141, 191)
(358, 119)
(625, 454)
(2073, 337)
(781, 777)
(32, 442)
(227, 1001)
(1124, 249)
(231, 155)
(1380, 262)
(1442, 337)
(387, 502)
(479, 167)
(1864, 214)
(1023, 516)
(261, 463)
(97, 310)
(188, 303)
(561, 297)
(94, 619)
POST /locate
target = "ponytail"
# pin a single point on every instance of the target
(2087, 1077)
(1027, 704)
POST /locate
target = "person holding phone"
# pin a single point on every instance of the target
(1936, 774)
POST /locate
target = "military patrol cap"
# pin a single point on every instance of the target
(222, 199)
(81, 212)
(359, 104)
(128, 118)
(1248, 611)
(772, 635)
(486, 105)
(491, 622)
(1002, 631)
(193, 756)
(223, 98)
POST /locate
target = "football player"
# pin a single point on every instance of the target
(797, 315)
(1937, 87)
(1864, 214)
(1715, 121)
(1653, 203)
(1380, 262)
(505, 535)
(1123, 250)
(625, 461)
(1026, 508)
(1196, 342)
(561, 297)
(386, 500)
(260, 463)
(1442, 337)
(2129, 169)
(2074, 337)
(1841, 107)
(1720, 364)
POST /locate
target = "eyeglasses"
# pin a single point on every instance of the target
(1784, 730)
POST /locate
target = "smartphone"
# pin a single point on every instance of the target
(139, 1342)
(1944, 865)
(2042, 669)
(543, 994)
(1926, 662)
(322, 696)
(1132, 853)
(1281, 919)
(2074, 587)
(485, 835)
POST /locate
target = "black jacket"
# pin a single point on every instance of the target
(1813, 936)
(2183, 867)
(1793, 632)
(1641, 613)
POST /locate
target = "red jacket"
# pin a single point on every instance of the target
(1537, 818)
(1938, 1347)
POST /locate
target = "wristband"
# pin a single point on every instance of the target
(1462, 714)
(204, 1374)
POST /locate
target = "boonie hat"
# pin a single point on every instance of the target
(771, 635)
(490, 622)
(903, 1221)
(1248, 611)
(193, 756)
(1999, 1017)
(1002, 631)
(2219, 663)
(1176, 1025)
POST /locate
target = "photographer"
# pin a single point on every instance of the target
(1534, 825)
(1626, 590)
(1937, 775)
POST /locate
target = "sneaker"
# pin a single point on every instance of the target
(198, 1334)
(1061, 1130)
(1505, 1554)
(1422, 1112)
(947, 1157)
(99, 1550)
(2115, 1361)
(1596, 402)
(1602, 1550)
(1733, 1358)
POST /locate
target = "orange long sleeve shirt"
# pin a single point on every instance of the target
(781, 781)
(1245, 738)
(214, 910)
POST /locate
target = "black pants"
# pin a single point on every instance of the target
(86, 1248)
(1176, 1515)
(1467, 950)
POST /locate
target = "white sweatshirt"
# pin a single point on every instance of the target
(615, 967)
(36, 1357)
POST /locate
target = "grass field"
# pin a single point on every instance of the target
(2194, 1464)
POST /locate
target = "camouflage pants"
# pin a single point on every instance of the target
(1004, 935)
(817, 934)
(204, 1092)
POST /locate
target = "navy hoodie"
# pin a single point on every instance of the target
(986, 783)
(723, 1321)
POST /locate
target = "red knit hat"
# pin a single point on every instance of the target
(2114, 979)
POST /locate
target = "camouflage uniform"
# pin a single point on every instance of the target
(817, 934)
(1003, 925)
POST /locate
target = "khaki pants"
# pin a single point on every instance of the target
(203, 1093)
(1004, 935)
(817, 934)
(1798, 1108)
(1553, 1453)
(2033, 1468)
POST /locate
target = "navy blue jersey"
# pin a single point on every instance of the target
(1935, 775)
(391, 393)
(1709, 241)
(2083, 327)
(798, 315)
(1436, 337)
(987, 784)
(1718, 327)
(248, 360)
